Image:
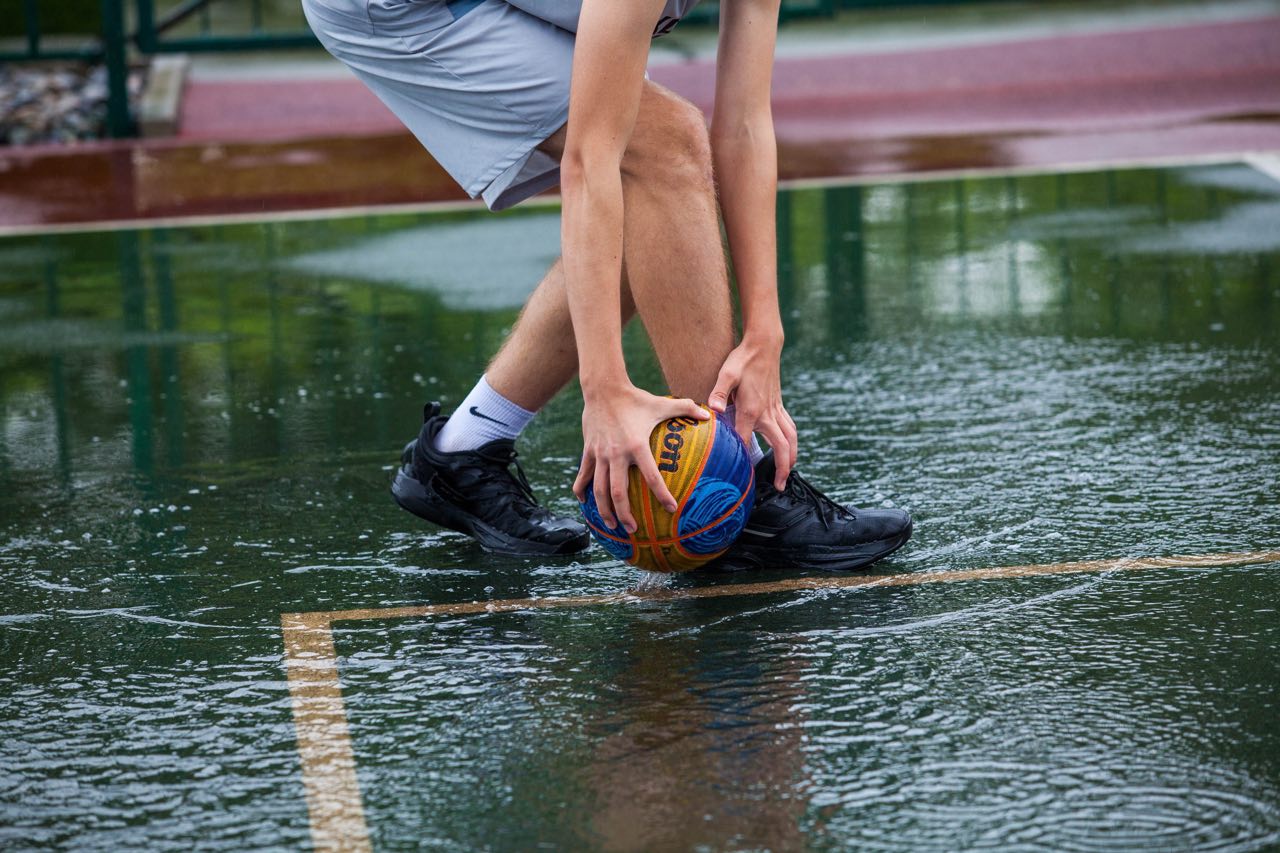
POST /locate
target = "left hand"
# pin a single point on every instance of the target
(751, 379)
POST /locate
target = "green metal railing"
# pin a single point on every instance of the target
(156, 28)
(119, 120)
(34, 41)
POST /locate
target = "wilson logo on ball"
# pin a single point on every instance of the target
(671, 444)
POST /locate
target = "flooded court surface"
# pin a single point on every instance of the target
(198, 429)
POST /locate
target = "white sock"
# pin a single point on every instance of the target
(753, 447)
(484, 416)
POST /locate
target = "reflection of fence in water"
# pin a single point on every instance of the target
(1083, 249)
(208, 319)
(212, 355)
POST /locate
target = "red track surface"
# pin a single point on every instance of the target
(248, 147)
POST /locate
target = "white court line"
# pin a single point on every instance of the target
(1267, 164)
(1082, 167)
(339, 212)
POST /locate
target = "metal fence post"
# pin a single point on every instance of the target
(146, 26)
(31, 14)
(119, 121)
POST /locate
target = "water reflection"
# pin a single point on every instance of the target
(658, 728)
(699, 743)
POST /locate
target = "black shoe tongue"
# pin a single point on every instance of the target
(431, 424)
(497, 447)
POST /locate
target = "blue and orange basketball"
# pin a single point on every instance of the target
(709, 472)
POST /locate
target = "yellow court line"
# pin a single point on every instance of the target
(324, 740)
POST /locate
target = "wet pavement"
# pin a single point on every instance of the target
(199, 424)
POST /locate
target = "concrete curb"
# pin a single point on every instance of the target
(162, 98)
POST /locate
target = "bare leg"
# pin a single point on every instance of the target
(539, 357)
(675, 268)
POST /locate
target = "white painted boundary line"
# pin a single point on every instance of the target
(1267, 164)
(1080, 168)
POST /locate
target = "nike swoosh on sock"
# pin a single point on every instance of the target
(476, 413)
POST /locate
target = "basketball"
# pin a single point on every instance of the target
(709, 472)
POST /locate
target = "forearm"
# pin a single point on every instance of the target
(746, 165)
(591, 237)
(604, 99)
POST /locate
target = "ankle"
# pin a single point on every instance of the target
(482, 417)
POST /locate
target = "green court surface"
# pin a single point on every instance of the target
(199, 425)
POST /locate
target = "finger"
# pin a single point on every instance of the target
(585, 471)
(745, 424)
(618, 477)
(725, 383)
(793, 436)
(686, 408)
(601, 488)
(782, 457)
(649, 470)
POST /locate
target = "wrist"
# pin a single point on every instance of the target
(761, 319)
(601, 365)
(601, 385)
(764, 335)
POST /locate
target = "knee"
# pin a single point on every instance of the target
(689, 138)
(670, 144)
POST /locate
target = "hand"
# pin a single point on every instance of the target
(750, 378)
(616, 425)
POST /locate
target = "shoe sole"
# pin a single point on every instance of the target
(416, 497)
(822, 558)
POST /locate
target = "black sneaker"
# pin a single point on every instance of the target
(475, 492)
(800, 527)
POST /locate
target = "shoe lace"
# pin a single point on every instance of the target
(802, 491)
(504, 460)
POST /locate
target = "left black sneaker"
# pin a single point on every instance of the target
(476, 492)
(802, 528)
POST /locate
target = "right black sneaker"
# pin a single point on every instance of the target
(800, 527)
(475, 492)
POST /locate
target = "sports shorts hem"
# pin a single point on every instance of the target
(526, 172)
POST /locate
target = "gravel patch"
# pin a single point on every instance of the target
(57, 102)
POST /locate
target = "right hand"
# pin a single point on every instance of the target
(616, 425)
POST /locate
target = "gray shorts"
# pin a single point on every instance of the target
(480, 83)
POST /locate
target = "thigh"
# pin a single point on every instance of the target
(480, 84)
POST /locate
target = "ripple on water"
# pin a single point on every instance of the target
(1090, 718)
(1087, 800)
